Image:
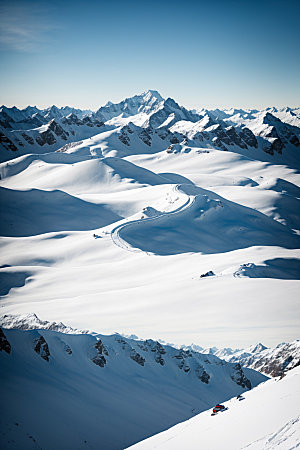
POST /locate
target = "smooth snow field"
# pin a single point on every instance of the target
(110, 238)
(266, 419)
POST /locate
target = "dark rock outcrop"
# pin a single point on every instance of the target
(123, 136)
(202, 374)
(27, 138)
(46, 137)
(210, 273)
(135, 356)
(41, 348)
(145, 136)
(99, 359)
(239, 377)
(4, 344)
(7, 143)
(58, 130)
(101, 348)
(248, 137)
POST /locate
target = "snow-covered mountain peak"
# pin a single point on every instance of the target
(32, 322)
(150, 94)
(147, 103)
(256, 348)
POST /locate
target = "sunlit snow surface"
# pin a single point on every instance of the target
(112, 233)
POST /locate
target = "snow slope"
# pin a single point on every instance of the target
(72, 391)
(268, 418)
(114, 232)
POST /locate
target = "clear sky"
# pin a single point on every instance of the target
(209, 53)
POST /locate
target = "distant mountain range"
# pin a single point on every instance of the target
(156, 122)
(270, 361)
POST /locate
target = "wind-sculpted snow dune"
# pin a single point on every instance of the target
(207, 223)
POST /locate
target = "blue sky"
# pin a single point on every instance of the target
(201, 53)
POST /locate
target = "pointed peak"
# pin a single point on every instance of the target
(52, 108)
(150, 94)
(256, 348)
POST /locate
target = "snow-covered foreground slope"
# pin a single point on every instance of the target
(70, 391)
(267, 419)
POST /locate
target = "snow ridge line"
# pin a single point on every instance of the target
(115, 233)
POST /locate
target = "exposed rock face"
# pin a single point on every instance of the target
(71, 119)
(239, 377)
(7, 143)
(248, 137)
(4, 344)
(145, 136)
(159, 360)
(58, 130)
(154, 347)
(68, 349)
(174, 140)
(234, 138)
(277, 146)
(100, 347)
(183, 362)
(46, 138)
(135, 356)
(210, 273)
(202, 374)
(41, 348)
(5, 120)
(163, 133)
(275, 363)
(170, 112)
(123, 136)
(99, 359)
(27, 138)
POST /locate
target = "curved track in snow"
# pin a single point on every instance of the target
(120, 242)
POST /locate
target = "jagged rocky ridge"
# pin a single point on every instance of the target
(146, 116)
(141, 352)
(33, 322)
(273, 362)
(270, 361)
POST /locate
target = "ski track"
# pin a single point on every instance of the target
(115, 233)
